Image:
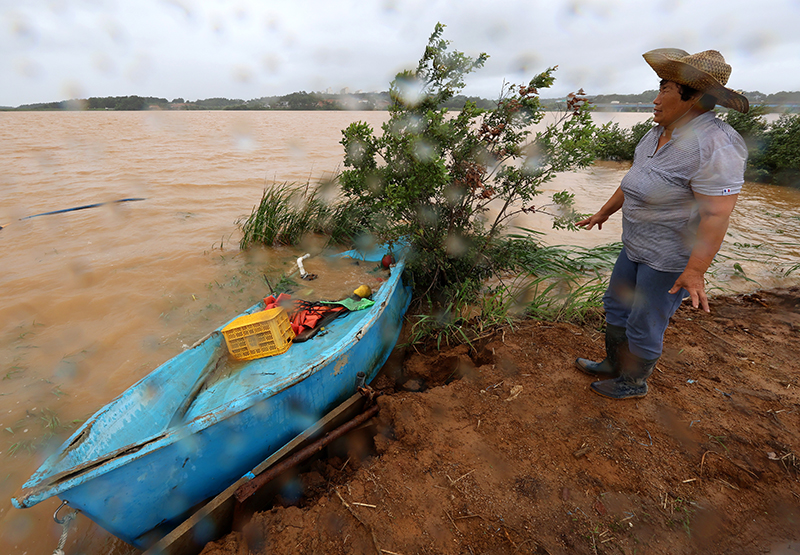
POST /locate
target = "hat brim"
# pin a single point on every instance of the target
(663, 63)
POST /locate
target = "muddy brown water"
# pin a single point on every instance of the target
(95, 299)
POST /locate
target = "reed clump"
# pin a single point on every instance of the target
(551, 283)
(288, 212)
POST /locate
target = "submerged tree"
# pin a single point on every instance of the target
(448, 184)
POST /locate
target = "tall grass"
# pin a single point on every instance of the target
(566, 298)
(465, 319)
(552, 283)
(562, 283)
(289, 212)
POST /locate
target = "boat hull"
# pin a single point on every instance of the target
(141, 490)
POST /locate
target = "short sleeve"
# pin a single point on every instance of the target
(721, 167)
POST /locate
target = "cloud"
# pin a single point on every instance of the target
(249, 49)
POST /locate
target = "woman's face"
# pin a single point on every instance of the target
(668, 107)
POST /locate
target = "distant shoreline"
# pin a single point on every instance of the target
(782, 102)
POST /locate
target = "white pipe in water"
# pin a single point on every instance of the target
(303, 272)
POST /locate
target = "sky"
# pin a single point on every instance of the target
(195, 49)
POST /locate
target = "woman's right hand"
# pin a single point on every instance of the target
(590, 222)
(610, 207)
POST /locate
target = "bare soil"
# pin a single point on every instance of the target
(505, 449)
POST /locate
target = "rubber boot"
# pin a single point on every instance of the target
(632, 380)
(616, 340)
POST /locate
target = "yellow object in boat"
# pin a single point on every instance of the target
(363, 291)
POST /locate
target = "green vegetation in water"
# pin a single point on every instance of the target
(289, 212)
(428, 180)
(14, 371)
(773, 148)
(563, 283)
(568, 297)
(729, 263)
(446, 185)
(613, 142)
(41, 426)
(792, 269)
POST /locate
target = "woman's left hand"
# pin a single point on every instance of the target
(695, 285)
(715, 211)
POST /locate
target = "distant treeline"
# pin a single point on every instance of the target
(779, 101)
(295, 101)
(302, 100)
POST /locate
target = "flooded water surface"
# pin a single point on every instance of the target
(95, 299)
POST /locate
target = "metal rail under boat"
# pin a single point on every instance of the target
(216, 517)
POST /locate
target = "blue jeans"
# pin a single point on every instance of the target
(637, 299)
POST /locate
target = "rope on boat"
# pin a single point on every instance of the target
(65, 526)
(64, 531)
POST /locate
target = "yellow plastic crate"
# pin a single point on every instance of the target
(258, 335)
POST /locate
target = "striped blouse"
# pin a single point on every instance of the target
(660, 214)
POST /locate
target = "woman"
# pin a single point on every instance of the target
(676, 201)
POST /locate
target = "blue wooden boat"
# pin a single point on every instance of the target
(142, 462)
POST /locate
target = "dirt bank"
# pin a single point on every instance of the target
(506, 450)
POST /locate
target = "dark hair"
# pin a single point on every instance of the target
(707, 102)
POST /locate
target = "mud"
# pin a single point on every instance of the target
(504, 449)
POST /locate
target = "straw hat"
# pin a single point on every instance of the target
(705, 71)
